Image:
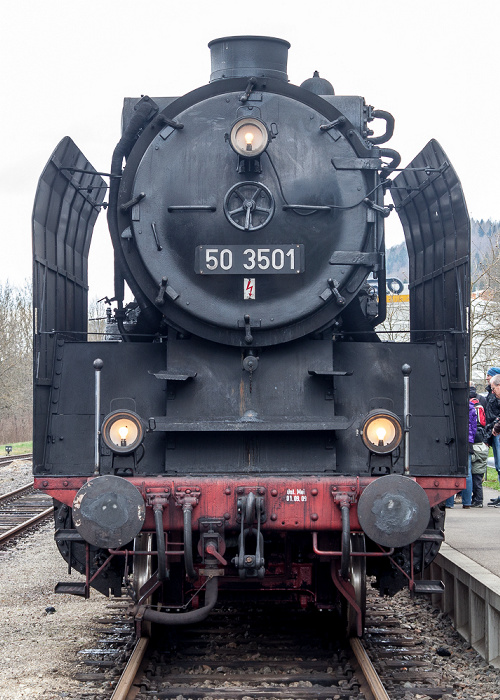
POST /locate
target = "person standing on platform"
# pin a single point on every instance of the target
(493, 417)
(479, 464)
(467, 492)
(480, 457)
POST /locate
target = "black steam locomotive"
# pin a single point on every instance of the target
(242, 432)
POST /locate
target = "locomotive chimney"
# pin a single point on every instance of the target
(249, 56)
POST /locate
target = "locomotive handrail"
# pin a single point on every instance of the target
(323, 553)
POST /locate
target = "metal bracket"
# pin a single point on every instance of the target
(157, 496)
(250, 508)
(187, 495)
(211, 546)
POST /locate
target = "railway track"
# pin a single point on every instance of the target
(270, 654)
(20, 509)
(4, 460)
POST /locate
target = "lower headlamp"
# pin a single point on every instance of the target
(381, 432)
(122, 431)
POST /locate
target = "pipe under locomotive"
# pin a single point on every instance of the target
(242, 433)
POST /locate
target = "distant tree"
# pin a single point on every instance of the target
(485, 305)
(97, 319)
(16, 324)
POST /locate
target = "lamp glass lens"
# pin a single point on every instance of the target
(249, 137)
(382, 433)
(123, 429)
(380, 430)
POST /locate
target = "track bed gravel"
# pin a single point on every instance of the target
(39, 650)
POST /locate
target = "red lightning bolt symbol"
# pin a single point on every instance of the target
(249, 288)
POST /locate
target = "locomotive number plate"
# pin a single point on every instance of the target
(284, 259)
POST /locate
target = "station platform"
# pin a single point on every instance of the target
(475, 532)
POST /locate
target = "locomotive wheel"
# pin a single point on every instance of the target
(357, 571)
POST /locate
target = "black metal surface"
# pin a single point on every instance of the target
(126, 373)
(237, 364)
(247, 56)
(376, 368)
(66, 207)
(108, 511)
(296, 169)
(393, 510)
(432, 208)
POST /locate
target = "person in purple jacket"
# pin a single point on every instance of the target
(467, 492)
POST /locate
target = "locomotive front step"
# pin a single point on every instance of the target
(73, 588)
(423, 587)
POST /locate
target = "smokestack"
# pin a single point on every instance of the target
(249, 56)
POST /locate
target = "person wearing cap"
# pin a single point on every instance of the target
(492, 411)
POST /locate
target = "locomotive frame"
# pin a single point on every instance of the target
(239, 439)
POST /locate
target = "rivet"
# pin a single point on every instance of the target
(314, 492)
(227, 491)
(260, 491)
(274, 492)
(240, 489)
(188, 490)
(314, 516)
(274, 516)
(45, 483)
(227, 516)
(65, 483)
(334, 488)
(436, 483)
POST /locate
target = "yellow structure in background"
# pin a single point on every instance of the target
(392, 298)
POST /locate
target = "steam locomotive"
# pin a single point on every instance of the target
(243, 432)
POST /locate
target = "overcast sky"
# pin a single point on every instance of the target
(67, 64)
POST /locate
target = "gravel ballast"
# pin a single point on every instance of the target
(39, 650)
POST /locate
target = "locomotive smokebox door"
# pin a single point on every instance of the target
(108, 511)
(393, 510)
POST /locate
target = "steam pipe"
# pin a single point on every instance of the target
(191, 617)
(122, 150)
(395, 157)
(389, 126)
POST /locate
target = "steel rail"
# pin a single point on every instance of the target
(16, 492)
(127, 678)
(23, 526)
(12, 458)
(369, 672)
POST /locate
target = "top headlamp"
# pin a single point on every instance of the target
(249, 137)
